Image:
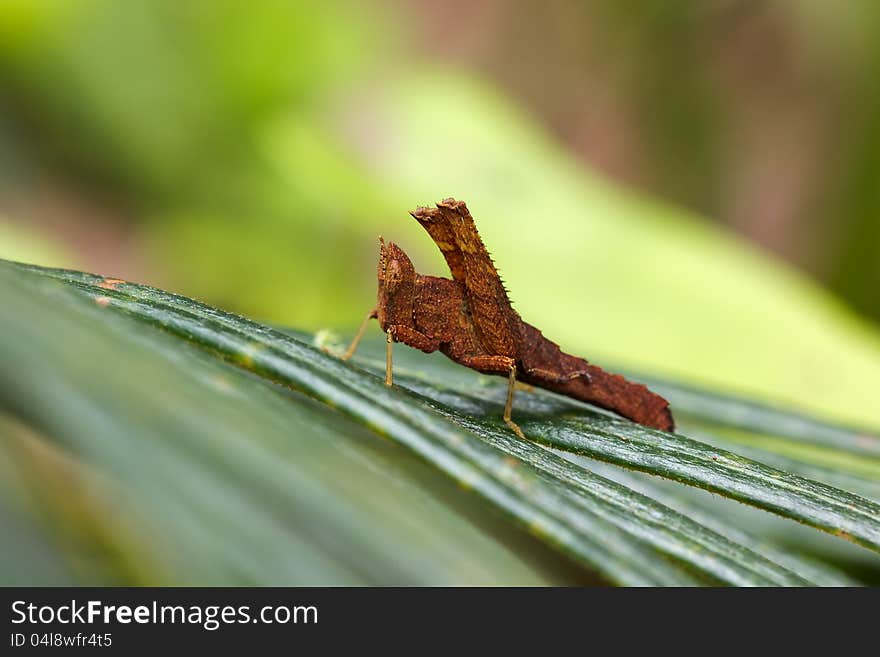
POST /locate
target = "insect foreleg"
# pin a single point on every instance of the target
(389, 346)
(360, 334)
(408, 336)
(508, 407)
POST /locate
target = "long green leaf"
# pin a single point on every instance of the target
(689, 461)
(734, 411)
(606, 548)
(270, 353)
(561, 424)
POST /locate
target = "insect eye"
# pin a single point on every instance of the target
(392, 273)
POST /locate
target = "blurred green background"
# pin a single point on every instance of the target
(689, 189)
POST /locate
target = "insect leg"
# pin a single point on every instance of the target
(360, 333)
(498, 364)
(408, 336)
(508, 408)
(389, 345)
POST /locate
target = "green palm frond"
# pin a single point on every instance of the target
(151, 438)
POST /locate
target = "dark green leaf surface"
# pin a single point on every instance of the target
(733, 411)
(697, 464)
(629, 537)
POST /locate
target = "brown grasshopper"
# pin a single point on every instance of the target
(469, 318)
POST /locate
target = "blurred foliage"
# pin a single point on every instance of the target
(218, 476)
(255, 152)
(167, 106)
(746, 71)
(25, 245)
(759, 115)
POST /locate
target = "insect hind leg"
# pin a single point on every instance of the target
(499, 365)
(373, 314)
